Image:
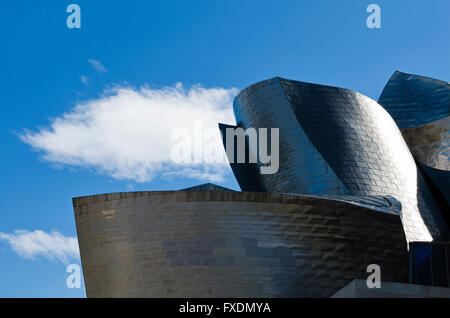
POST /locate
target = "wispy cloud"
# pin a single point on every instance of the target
(98, 66)
(126, 134)
(31, 245)
(84, 79)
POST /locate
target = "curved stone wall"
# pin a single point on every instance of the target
(232, 244)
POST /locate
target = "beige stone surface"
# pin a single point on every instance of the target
(358, 289)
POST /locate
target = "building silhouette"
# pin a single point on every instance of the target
(349, 192)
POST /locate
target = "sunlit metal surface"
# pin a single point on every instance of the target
(302, 168)
(430, 143)
(421, 108)
(335, 141)
(377, 203)
(225, 243)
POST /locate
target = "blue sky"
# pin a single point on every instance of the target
(129, 56)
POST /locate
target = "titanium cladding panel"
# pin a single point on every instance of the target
(336, 141)
(232, 244)
(421, 108)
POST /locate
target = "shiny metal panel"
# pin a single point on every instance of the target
(430, 143)
(414, 100)
(421, 108)
(302, 168)
(232, 244)
(249, 173)
(336, 141)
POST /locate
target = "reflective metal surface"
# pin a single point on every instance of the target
(441, 180)
(438, 182)
(376, 203)
(430, 143)
(206, 187)
(421, 108)
(414, 100)
(345, 176)
(233, 244)
(303, 170)
(249, 176)
(335, 141)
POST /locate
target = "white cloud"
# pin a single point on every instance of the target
(53, 246)
(126, 134)
(98, 66)
(84, 79)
